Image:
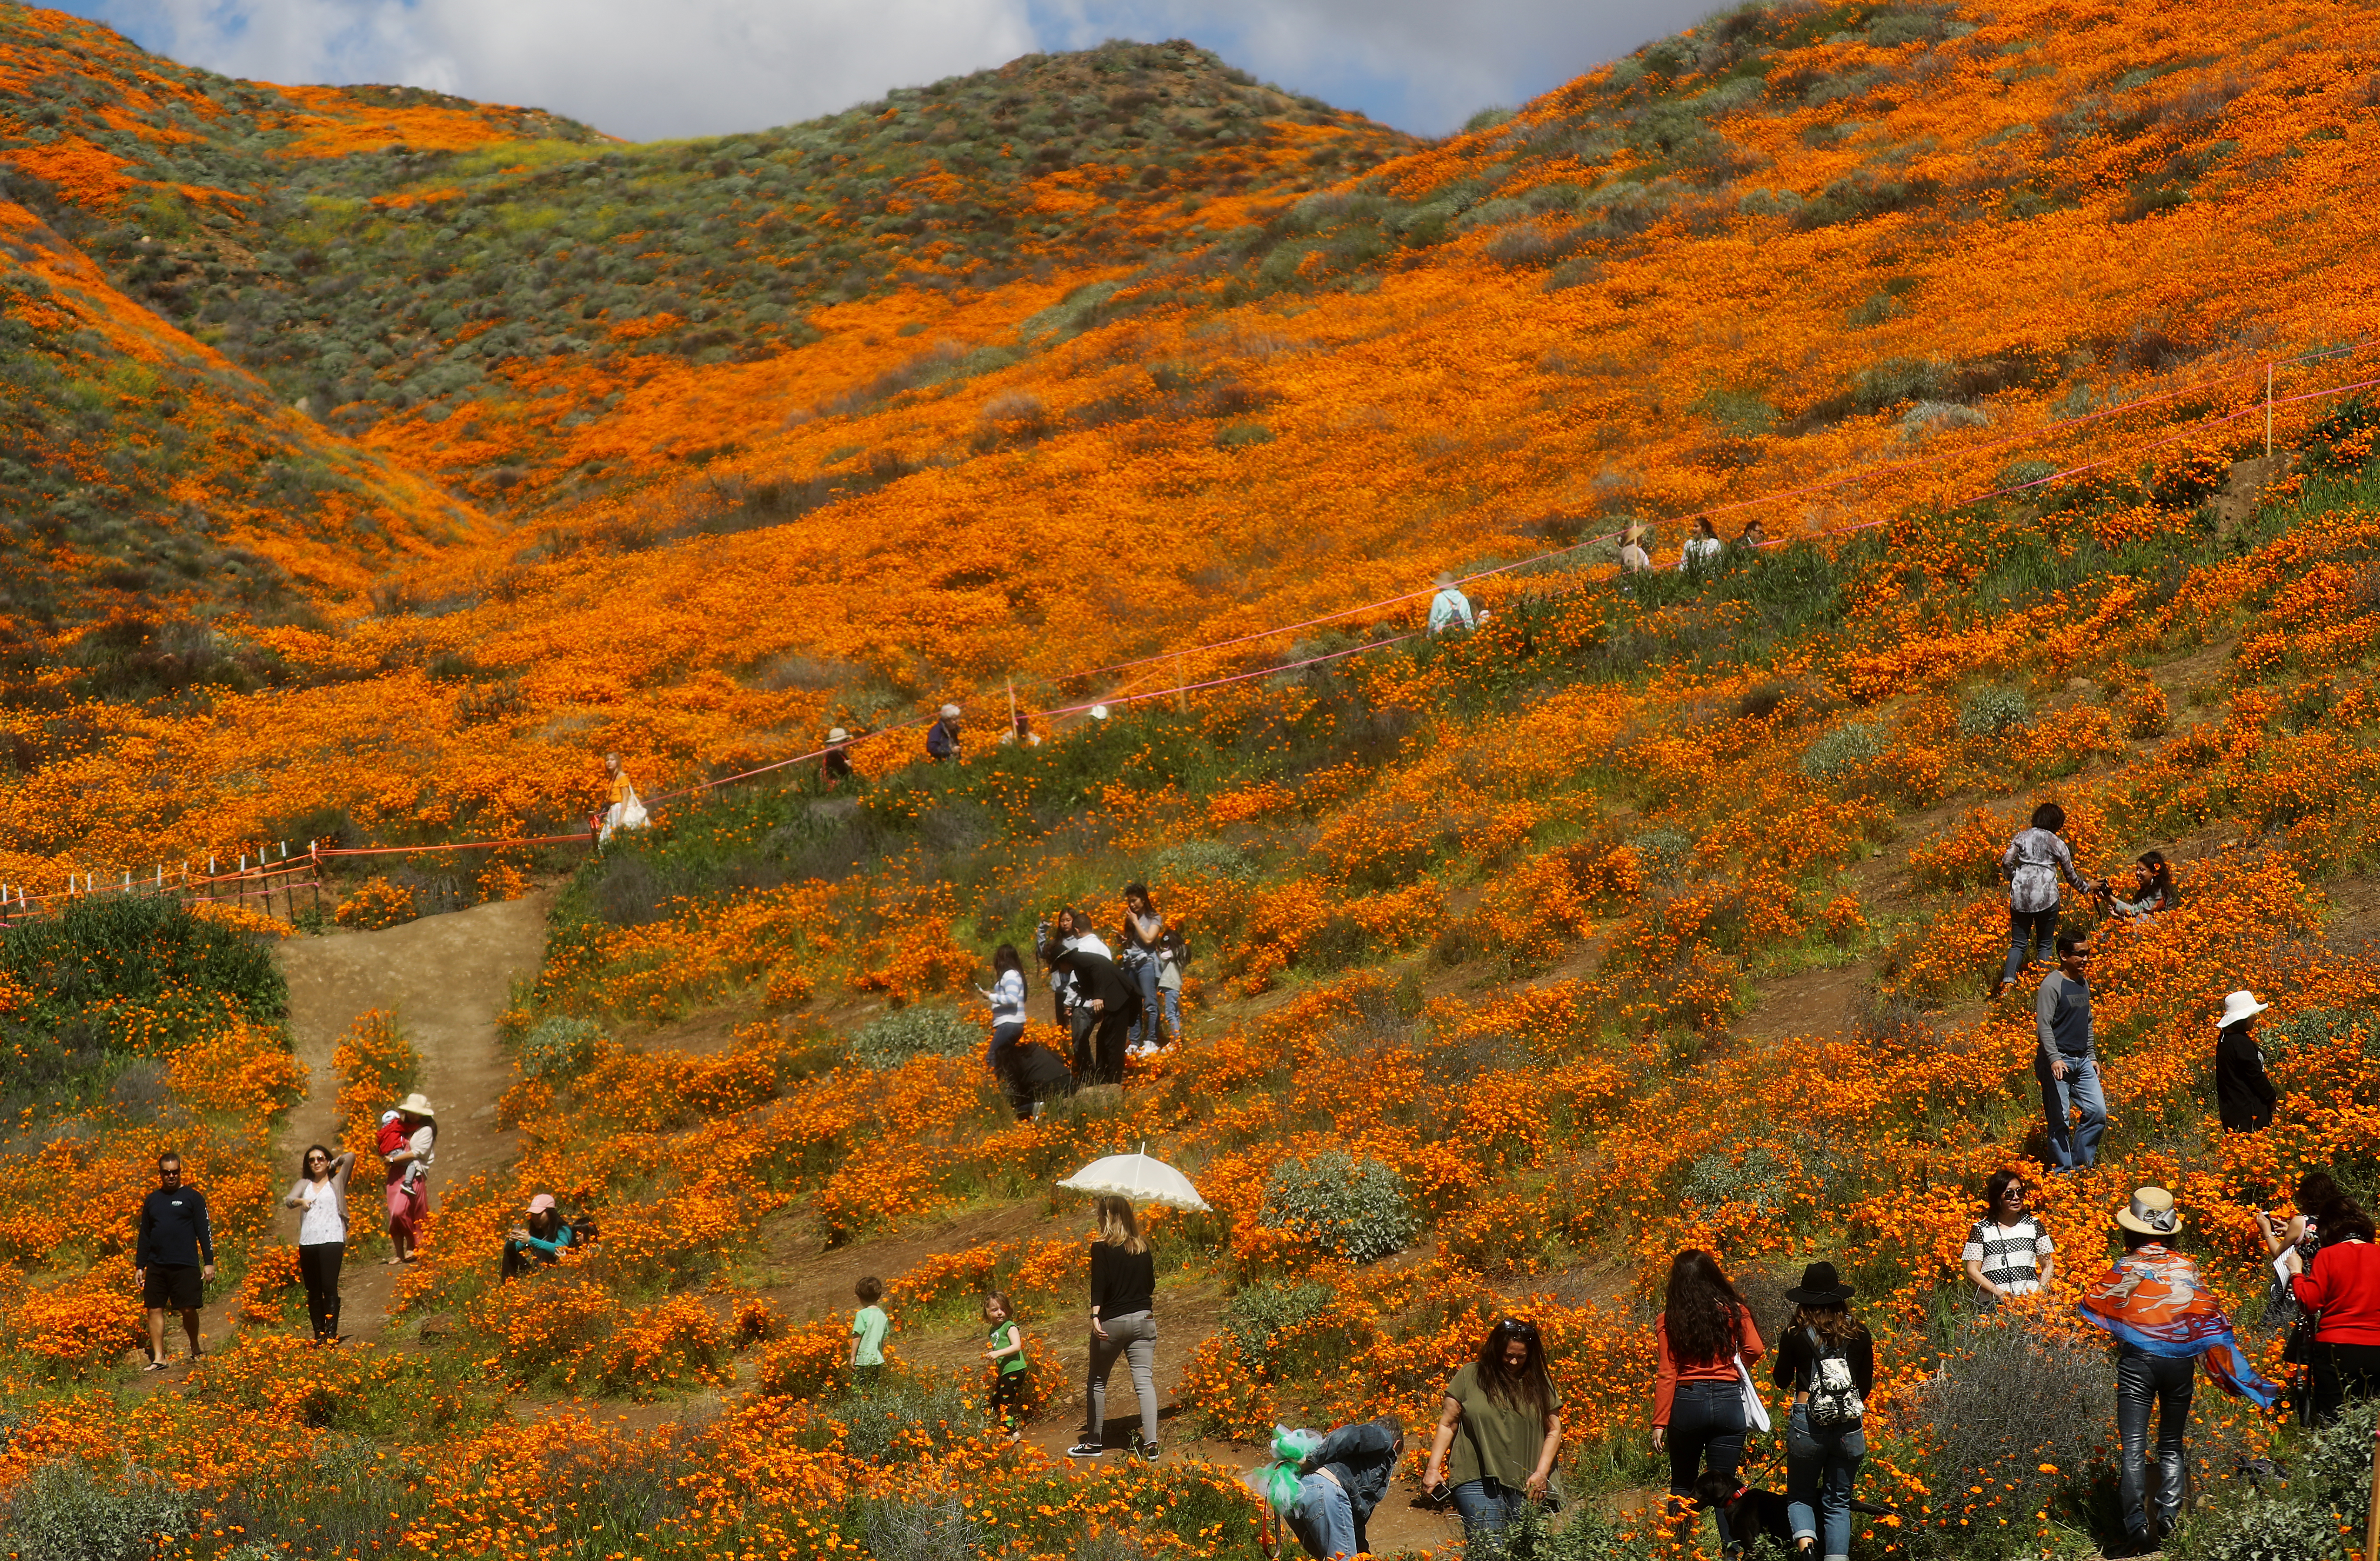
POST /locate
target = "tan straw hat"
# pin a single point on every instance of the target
(1636, 532)
(416, 1105)
(2152, 1214)
(838, 735)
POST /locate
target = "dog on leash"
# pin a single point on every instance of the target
(1752, 1512)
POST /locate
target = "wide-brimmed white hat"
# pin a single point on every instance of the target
(838, 735)
(2152, 1214)
(416, 1105)
(1099, 712)
(2240, 1005)
(949, 712)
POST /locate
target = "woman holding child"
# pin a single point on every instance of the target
(409, 1153)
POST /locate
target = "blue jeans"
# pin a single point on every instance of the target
(2030, 929)
(1144, 975)
(1706, 1422)
(1820, 1465)
(2078, 1144)
(1488, 1507)
(1324, 1519)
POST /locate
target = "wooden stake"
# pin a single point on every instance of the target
(2268, 443)
(1181, 687)
(1012, 707)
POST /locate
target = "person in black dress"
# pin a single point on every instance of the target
(2244, 1095)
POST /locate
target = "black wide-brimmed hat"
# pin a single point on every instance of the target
(1819, 1286)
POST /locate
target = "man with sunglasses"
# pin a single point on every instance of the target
(174, 1260)
(2064, 1062)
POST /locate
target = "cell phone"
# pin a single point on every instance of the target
(1441, 1492)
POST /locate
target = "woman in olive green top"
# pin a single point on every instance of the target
(1502, 1425)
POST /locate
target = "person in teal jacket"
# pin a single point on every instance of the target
(541, 1241)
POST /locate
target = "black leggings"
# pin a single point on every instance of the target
(319, 1265)
(1007, 1395)
(1109, 1038)
(2342, 1371)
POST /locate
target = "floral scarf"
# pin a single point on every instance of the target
(2154, 1300)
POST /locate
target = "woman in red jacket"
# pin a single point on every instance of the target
(1699, 1388)
(2342, 1285)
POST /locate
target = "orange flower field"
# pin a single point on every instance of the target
(1656, 911)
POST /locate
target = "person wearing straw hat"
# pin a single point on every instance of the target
(1449, 608)
(2244, 1095)
(1633, 559)
(835, 765)
(408, 1175)
(1826, 1358)
(2163, 1318)
(942, 737)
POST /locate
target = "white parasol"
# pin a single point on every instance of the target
(1137, 1177)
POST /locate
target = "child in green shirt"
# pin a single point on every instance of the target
(869, 1326)
(1007, 1348)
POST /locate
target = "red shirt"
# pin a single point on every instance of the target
(2343, 1284)
(1671, 1371)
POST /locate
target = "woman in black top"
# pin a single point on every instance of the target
(1123, 1322)
(1113, 1004)
(1824, 1443)
(2244, 1096)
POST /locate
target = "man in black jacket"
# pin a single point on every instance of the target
(1342, 1480)
(174, 1258)
(1113, 1004)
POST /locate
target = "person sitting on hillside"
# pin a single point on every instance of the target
(1020, 731)
(1703, 547)
(1449, 608)
(1633, 559)
(1340, 1483)
(1754, 537)
(542, 1240)
(942, 737)
(2152, 890)
(835, 765)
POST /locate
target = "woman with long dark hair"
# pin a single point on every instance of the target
(321, 1196)
(1007, 999)
(1143, 961)
(1497, 1432)
(1053, 938)
(1827, 1362)
(2153, 889)
(1704, 1343)
(2341, 1288)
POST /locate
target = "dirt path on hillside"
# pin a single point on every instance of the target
(447, 979)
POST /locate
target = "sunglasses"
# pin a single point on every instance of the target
(1512, 1327)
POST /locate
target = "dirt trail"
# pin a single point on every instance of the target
(447, 979)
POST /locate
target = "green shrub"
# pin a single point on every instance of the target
(924, 1529)
(137, 948)
(559, 1046)
(901, 1419)
(2265, 1531)
(1842, 753)
(1255, 1316)
(1758, 1179)
(2321, 1027)
(1196, 859)
(1987, 712)
(1355, 1208)
(2337, 1468)
(65, 1512)
(1662, 855)
(925, 1030)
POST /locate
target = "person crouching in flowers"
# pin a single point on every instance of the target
(2163, 1318)
(541, 1241)
(1498, 1434)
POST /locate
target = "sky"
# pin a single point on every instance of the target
(647, 70)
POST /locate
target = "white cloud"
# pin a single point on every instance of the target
(647, 68)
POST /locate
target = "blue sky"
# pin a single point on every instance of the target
(646, 70)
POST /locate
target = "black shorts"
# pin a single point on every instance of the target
(171, 1286)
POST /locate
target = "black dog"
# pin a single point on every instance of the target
(1752, 1512)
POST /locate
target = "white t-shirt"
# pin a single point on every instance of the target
(325, 1221)
(2011, 1254)
(1697, 546)
(424, 1139)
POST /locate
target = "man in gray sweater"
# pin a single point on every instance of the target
(2064, 1062)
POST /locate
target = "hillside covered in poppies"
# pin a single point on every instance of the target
(378, 461)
